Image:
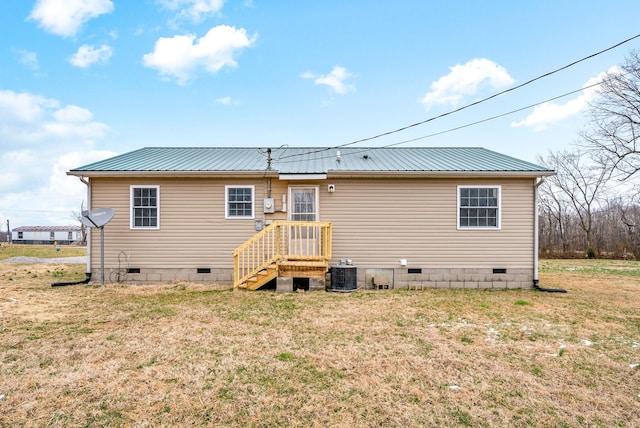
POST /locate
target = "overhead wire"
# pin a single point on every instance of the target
(466, 106)
(477, 122)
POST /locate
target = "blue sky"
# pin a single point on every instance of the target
(82, 80)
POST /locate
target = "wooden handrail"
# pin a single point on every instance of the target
(281, 240)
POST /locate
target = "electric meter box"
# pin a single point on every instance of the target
(269, 206)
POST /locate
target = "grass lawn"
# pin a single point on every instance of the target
(40, 251)
(184, 354)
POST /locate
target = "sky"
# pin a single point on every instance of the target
(83, 80)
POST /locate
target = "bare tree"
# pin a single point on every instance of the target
(556, 213)
(615, 118)
(581, 180)
(631, 220)
(83, 229)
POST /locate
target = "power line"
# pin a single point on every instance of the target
(431, 119)
(477, 122)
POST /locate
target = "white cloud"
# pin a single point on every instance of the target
(22, 107)
(29, 118)
(74, 190)
(66, 17)
(28, 59)
(41, 140)
(227, 101)
(551, 112)
(466, 80)
(194, 10)
(335, 80)
(181, 56)
(73, 114)
(50, 197)
(87, 55)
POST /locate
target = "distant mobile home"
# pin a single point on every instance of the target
(45, 235)
(391, 217)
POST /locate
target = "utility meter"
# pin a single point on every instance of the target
(269, 206)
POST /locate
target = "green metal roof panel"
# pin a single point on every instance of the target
(312, 160)
(182, 159)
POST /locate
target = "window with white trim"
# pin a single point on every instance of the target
(239, 201)
(479, 207)
(145, 207)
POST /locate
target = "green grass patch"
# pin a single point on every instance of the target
(40, 251)
(592, 267)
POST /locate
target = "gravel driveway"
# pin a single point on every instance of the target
(56, 260)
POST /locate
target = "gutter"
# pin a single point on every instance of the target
(536, 281)
(321, 175)
(88, 184)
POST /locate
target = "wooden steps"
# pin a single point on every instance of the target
(298, 249)
(261, 278)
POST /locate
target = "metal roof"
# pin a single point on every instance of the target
(47, 229)
(311, 160)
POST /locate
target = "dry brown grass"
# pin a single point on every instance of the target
(185, 354)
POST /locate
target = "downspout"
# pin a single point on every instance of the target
(88, 271)
(536, 221)
(88, 184)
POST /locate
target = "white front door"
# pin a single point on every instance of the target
(303, 240)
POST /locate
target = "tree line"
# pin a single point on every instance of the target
(591, 207)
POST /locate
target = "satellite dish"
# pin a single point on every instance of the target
(97, 217)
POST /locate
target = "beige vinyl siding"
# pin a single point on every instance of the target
(378, 222)
(193, 230)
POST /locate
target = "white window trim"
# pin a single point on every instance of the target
(226, 201)
(132, 217)
(479, 186)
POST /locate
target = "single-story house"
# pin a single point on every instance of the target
(368, 217)
(46, 235)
